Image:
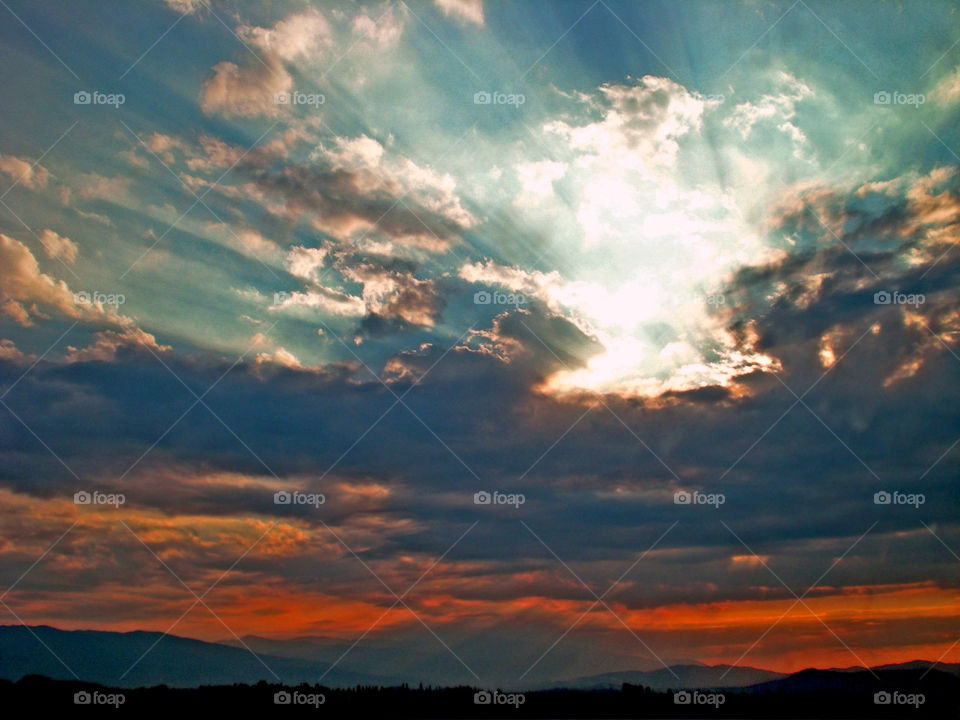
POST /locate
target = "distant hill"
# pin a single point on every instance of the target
(178, 662)
(102, 657)
(500, 655)
(951, 668)
(678, 677)
(863, 682)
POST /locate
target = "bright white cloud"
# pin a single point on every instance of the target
(463, 11)
(647, 249)
(537, 178)
(299, 36)
(304, 262)
(778, 108)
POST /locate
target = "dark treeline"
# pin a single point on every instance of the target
(819, 695)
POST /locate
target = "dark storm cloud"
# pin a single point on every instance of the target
(798, 494)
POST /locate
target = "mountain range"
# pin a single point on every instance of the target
(144, 659)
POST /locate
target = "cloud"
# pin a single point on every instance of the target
(641, 123)
(403, 497)
(304, 262)
(251, 89)
(57, 246)
(163, 146)
(280, 357)
(10, 353)
(852, 243)
(382, 32)
(27, 294)
(355, 188)
(390, 299)
(108, 343)
(245, 91)
(463, 11)
(327, 300)
(93, 186)
(546, 287)
(537, 178)
(435, 191)
(23, 287)
(921, 209)
(24, 172)
(296, 37)
(245, 240)
(185, 6)
(779, 107)
(395, 296)
(947, 91)
(647, 240)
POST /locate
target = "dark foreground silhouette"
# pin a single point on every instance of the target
(809, 694)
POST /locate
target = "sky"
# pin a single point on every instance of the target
(591, 259)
